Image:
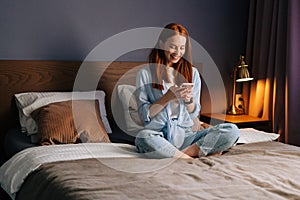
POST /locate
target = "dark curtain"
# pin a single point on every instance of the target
(273, 54)
(293, 63)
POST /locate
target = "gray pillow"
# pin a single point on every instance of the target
(133, 122)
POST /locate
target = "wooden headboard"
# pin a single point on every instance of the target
(18, 76)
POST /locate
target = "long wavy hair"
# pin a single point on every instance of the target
(158, 60)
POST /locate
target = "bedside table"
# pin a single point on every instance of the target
(242, 121)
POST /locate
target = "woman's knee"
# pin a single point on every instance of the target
(146, 140)
(147, 135)
(231, 132)
(154, 145)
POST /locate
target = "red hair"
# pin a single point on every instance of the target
(158, 60)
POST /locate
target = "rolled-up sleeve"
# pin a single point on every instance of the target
(142, 82)
(196, 92)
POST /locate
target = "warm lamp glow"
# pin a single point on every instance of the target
(244, 79)
(259, 94)
(240, 74)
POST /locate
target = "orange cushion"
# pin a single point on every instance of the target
(70, 122)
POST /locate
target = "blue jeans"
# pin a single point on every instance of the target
(212, 140)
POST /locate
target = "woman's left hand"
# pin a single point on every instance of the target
(188, 93)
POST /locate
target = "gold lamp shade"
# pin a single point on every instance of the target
(243, 74)
(240, 74)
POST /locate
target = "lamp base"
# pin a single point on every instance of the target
(233, 110)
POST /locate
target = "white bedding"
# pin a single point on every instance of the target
(251, 135)
(15, 170)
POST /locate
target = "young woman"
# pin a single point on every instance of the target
(168, 96)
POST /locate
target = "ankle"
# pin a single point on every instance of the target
(192, 150)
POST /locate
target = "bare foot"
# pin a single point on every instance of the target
(192, 150)
(216, 154)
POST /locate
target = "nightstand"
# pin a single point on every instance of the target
(242, 121)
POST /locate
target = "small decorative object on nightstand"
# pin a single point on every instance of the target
(240, 74)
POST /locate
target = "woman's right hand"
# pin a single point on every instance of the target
(176, 92)
(173, 93)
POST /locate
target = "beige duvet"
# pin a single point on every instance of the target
(268, 170)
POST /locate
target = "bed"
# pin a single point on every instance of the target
(110, 167)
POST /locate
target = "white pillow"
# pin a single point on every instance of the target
(30, 101)
(251, 135)
(133, 122)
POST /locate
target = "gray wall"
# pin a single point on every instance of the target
(70, 29)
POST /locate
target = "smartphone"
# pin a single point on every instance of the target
(187, 85)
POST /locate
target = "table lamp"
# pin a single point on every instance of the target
(240, 74)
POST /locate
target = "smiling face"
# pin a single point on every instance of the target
(174, 48)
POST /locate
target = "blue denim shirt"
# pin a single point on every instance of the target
(147, 95)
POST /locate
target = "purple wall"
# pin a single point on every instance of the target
(70, 29)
